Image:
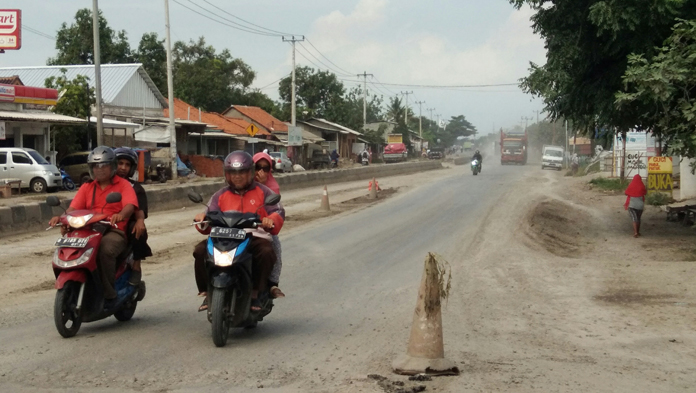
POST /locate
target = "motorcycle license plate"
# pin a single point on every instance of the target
(228, 233)
(72, 242)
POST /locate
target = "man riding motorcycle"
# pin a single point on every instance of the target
(477, 156)
(127, 162)
(243, 195)
(92, 196)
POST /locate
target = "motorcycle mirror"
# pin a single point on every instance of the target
(53, 201)
(114, 197)
(272, 199)
(195, 197)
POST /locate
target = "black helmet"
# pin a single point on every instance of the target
(101, 154)
(477, 152)
(239, 161)
(128, 154)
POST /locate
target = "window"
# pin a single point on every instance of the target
(37, 157)
(3, 158)
(21, 158)
(66, 161)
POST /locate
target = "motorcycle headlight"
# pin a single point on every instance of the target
(223, 258)
(75, 262)
(79, 222)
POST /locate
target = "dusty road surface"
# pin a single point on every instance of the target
(547, 295)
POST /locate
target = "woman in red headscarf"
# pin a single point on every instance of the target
(635, 201)
(263, 164)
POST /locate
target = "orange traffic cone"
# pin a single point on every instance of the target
(373, 187)
(426, 351)
(325, 200)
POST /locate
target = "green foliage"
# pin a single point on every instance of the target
(609, 184)
(153, 56)
(76, 99)
(75, 43)
(457, 126)
(667, 85)
(207, 79)
(318, 93)
(658, 199)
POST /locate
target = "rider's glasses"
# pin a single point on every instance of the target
(264, 168)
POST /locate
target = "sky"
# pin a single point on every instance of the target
(412, 42)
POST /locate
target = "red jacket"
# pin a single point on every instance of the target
(228, 199)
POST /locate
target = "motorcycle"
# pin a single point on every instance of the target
(365, 160)
(475, 167)
(68, 184)
(228, 263)
(79, 295)
(161, 173)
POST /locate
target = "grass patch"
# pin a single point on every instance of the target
(658, 199)
(609, 184)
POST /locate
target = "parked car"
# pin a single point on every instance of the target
(27, 165)
(282, 162)
(436, 153)
(75, 165)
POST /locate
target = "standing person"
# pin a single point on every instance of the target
(635, 202)
(92, 196)
(574, 164)
(127, 162)
(264, 175)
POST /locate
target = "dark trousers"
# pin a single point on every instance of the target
(263, 258)
(141, 249)
(112, 245)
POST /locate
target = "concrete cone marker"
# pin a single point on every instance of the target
(426, 351)
(325, 200)
(373, 189)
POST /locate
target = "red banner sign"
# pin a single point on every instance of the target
(10, 29)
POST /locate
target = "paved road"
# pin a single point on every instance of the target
(351, 282)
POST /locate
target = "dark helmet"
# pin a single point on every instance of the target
(101, 154)
(130, 155)
(477, 152)
(239, 161)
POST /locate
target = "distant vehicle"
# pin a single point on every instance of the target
(282, 162)
(75, 165)
(475, 167)
(395, 152)
(513, 148)
(552, 157)
(27, 165)
(436, 153)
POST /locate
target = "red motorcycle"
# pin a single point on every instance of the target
(80, 296)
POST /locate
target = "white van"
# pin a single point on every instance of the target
(27, 165)
(552, 157)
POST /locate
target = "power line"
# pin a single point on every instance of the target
(327, 59)
(447, 86)
(247, 22)
(324, 64)
(37, 32)
(223, 23)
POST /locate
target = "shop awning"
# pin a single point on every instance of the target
(111, 123)
(156, 134)
(40, 117)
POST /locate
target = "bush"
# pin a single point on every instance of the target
(609, 184)
(658, 199)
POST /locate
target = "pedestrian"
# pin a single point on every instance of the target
(574, 164)
(635, 201)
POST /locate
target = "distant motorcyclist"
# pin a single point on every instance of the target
(334, 157)
(477, 156)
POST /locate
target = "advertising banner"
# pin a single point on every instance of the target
(10, 29)
(660, 175)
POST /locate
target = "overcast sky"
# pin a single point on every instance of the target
(426, 42)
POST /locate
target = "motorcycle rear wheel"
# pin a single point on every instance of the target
(66, 320)
(126, 313)
(220, 322)
(69, 185)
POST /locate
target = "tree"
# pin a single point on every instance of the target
(318, 93)
(153, 56)
(75, 43)
(76, 100)
(351, 114)
(207, 79)
(667, 83)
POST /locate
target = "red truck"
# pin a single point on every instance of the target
(513, 148)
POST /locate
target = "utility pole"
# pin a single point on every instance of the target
(170, 93)
(292, 88)
(364, 75)
(97, 72)
(420, 117)
(406, 93)
(431, 114)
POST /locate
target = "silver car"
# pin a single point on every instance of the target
(281, 161)
(27, 165)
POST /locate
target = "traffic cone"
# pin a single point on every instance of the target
(426, 352)
(373, 189)
(325, 200)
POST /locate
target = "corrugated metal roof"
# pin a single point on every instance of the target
(46, 117)
(114, 77)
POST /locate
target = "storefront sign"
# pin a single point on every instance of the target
(2, 130)
(294, 136)
(7, 93)
(660, 175)
(10, 29)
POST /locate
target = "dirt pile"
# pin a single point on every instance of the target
(559, 228)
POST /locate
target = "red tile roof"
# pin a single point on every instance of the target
(261, 117)
(226, 124)
(11, 80)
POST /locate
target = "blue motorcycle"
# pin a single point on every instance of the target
(68, 184)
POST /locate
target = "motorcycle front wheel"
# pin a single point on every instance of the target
(220, 322)
(69, 185)
(65, 315)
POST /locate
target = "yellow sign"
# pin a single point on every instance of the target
(394, 138)
(252, 130)
(660, 174)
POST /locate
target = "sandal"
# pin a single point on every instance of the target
(255, 305)
(203, 306)
(276, 293)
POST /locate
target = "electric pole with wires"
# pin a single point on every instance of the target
(364, 75)
(292, 86)
(420, 117)
(406, 93)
